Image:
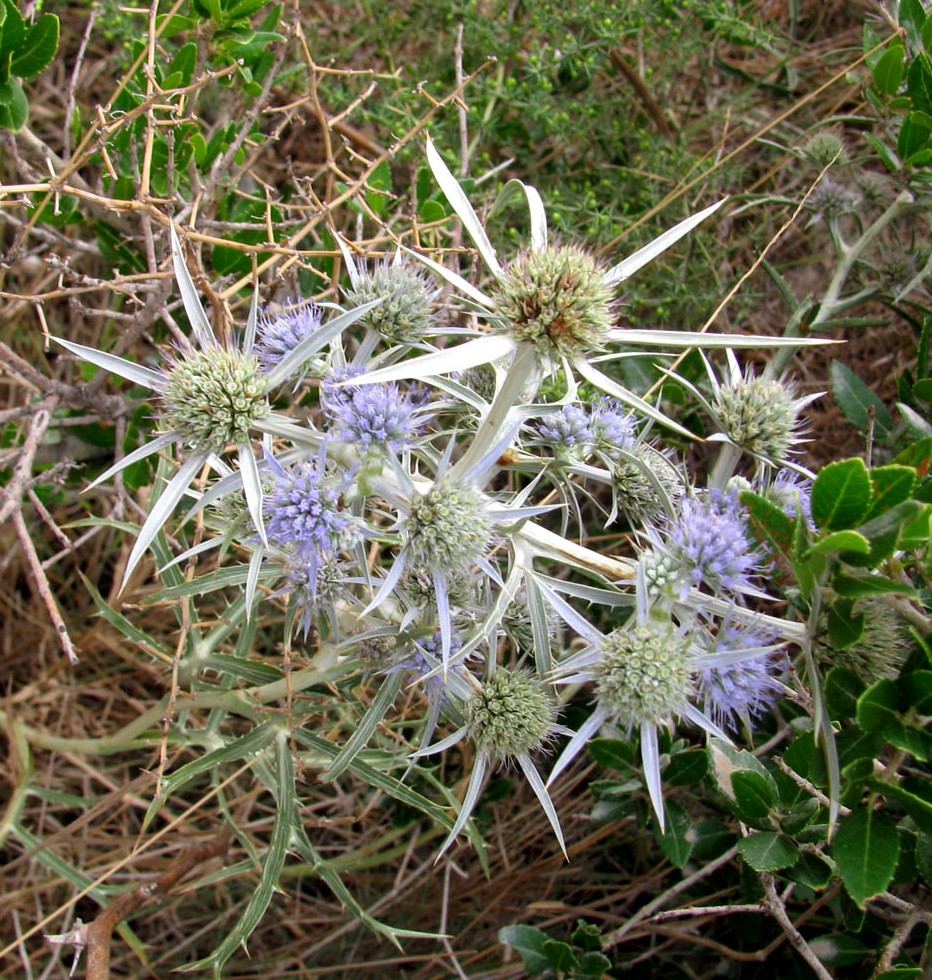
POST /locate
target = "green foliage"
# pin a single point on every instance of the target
(25, 50)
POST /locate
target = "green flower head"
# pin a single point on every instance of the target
(211, 397)
(511, 715)
(558, 299)
(645, 674)
(448, 529)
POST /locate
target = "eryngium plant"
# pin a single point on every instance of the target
(403, 510)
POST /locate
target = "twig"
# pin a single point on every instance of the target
(41, 583)
(98, 934)
(13, 494)
(803, 783)
(774, 905)
(615, 937)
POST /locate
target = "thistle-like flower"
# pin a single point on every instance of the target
(212, 396)
(279, 333)
(742, 682)
(509, 717)
(759, 415)
(375, 418)
(552, 308)
(566, 433)
(710, 545)
(406, 297)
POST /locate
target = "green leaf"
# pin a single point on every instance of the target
(857, 401)
(770, 525)
(675, 841)
(918, 808)
(891, 486)
(888, 72)
(39, 49)
(840, 541)
(592, 966)
(917, 454)
(686, 768)
(879, 704)
(858, 587)
(529, 942)
(184, 62)
(919, 82)
(840, 949)
(587, 936)
(768, 851)
(912, 16)
(612, 753)
(810, 870)
(841, 494)
(917, 689)
(913, 139)
(842, 691)
(14, 108)
(12, 35)
(866, 849)
(755, 798)
(561, 956)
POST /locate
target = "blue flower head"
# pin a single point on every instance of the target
(374, 417)
(304, 515)
(612, 426)
(567, 432)
(279, 333)
(710, 541)
(736, 691)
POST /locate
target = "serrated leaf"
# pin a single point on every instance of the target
(842, 690)
(866, 849)
(857, 401)
(611, 753)
(859, 587)
(917, 454)
(845, 627)
(768, 851)
(839, 541)
(918, 808)
(891, 485)
(561, 956)
(917, 690)
(911, 140)
(686, 768)
(768, 522)
(592, 966)
(877, 705)
(919, 82)
(810, 870)
(841, 494)
(754, 798)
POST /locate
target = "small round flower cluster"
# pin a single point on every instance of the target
(211, 397)
(558, 299)
(735, 692)
(758, 415)
(376, 418)
(404, 315)
(448, 528)
(645, 674)
(277, 334)
(303, 513)
(511, 714)
(709, 541)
